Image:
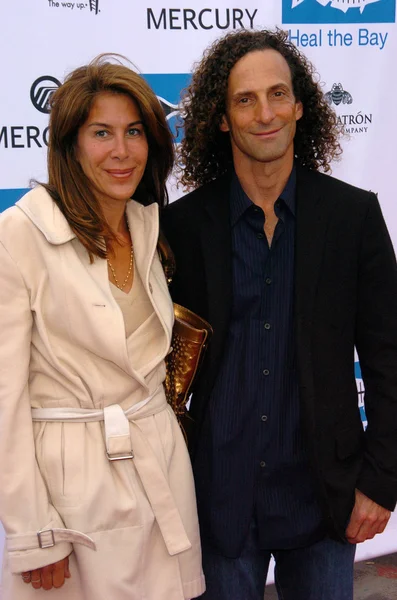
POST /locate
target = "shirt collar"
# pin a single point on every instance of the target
(240, 202)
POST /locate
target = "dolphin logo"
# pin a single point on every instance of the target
(170, 109)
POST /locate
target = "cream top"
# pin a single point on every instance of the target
(142, 325)
(135, 305)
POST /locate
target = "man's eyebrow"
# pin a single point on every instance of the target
(280, 84)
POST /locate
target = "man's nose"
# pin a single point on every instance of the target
(265, 112)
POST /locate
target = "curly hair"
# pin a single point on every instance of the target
(205, 152)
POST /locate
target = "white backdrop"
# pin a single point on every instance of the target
(353, 44)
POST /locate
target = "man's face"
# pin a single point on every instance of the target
(261, 110)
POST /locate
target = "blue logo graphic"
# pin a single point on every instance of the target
(168, 88)
(10, 196)
(361, 393)
(339, 11)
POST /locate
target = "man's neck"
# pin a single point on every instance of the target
(264, 182)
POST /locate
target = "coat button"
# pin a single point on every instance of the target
(151, 288)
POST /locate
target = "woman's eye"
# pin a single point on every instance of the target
(134, 131)
(101, 134)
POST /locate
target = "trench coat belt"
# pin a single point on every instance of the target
(124, 442)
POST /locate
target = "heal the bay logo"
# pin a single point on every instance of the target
(339, 11)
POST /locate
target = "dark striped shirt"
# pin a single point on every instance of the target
(251, 459)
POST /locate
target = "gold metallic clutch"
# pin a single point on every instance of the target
(190, 337)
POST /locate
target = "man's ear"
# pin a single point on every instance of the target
(298, 111)
(224, 126)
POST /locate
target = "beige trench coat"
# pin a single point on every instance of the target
(63, 345)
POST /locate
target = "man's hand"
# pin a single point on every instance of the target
(367, 519)
(50, 576)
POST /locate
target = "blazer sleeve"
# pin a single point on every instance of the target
(376, 343)
(25, 508)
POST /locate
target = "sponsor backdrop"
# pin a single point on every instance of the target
(353, 44)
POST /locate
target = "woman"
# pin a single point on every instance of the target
(96, 491)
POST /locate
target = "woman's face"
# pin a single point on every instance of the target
(112, 148)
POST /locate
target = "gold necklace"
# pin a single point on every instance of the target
(121, 287)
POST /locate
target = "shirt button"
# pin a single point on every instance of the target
(264, 417)
(266, 371)
(262, 464)
(268, 280)
(260, 235)
(267, 325)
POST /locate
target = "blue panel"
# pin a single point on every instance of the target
(357, 370)
(9, 197)
(168, 88)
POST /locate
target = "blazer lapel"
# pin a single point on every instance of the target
(313, 216)
(217, 254)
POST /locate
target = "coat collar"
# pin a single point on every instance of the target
(47, 217)
(45, 214)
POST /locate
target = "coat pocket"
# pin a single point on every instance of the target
(63, 462)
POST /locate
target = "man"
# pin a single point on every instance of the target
(293, 269)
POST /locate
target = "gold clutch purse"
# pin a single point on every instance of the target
(190, 337)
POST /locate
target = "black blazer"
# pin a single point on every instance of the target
(345, 297)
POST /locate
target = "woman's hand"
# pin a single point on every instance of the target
(48, 577)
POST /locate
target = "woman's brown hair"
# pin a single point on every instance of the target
(67, 183)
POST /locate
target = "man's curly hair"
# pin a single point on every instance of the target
(205, 152)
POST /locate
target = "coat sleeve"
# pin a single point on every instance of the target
(376, 342)
(25, 508)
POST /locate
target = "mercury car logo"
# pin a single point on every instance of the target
(339, 11)
(338, 95)
(41, 91)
